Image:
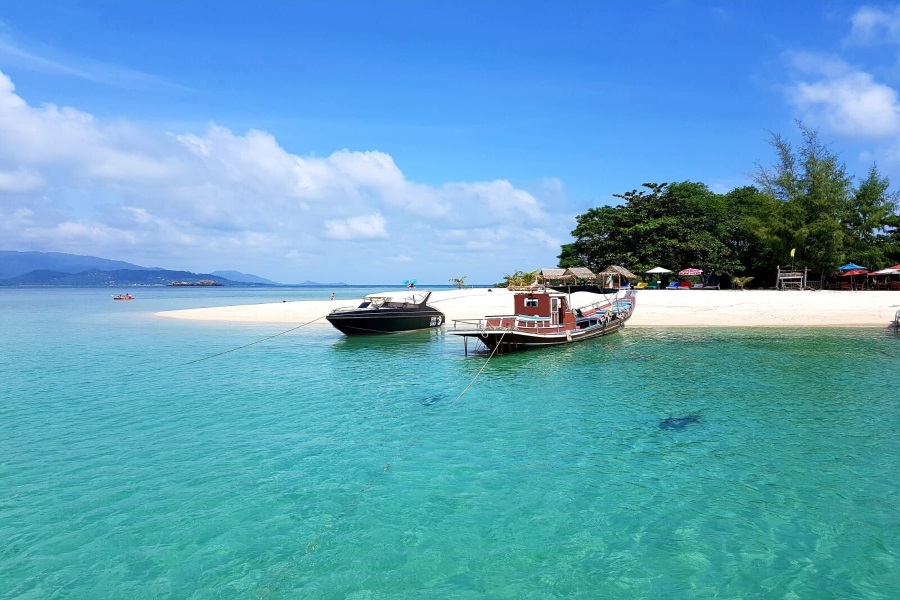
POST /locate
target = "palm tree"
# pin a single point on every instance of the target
(741, 281)
(459, 281)
(521, 278)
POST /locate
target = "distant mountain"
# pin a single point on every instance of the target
(244, 277)
(13, 264)
(115, 278)
(59, 268)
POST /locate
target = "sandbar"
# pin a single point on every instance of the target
(655, 308)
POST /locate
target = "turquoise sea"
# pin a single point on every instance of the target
(311, 465)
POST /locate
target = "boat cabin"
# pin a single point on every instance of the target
(550, 307)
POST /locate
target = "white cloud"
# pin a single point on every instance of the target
(13, 52)
(219, 199)
(872, 25)
(832, 94)
(355, 228)
(20, 180)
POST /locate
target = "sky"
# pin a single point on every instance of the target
(377, 142)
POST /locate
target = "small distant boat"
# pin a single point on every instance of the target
(543, 317)
(382, 313)
(123, 297)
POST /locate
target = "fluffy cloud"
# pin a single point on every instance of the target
(845, 100)
(354, 228)
(219, 199)
(872, 25)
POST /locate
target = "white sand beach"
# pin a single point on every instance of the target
(655, 308)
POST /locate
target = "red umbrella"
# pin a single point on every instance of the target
(853, 272)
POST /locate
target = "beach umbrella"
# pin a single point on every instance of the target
(852, 273)
(691, 271)
(659, 272)
(850, 267)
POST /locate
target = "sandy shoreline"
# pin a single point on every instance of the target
(655, 308)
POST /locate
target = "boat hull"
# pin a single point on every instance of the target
(380, 321)
(504, 341)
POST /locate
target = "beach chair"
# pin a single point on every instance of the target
(684, 285)
(673, 286)
(895, 285)
(845, 285)
(697, 286)
(653, 285)
(641, 285)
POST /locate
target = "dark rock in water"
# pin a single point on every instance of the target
(678, 422)
(433, 399)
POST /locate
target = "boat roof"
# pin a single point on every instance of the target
(416, 297)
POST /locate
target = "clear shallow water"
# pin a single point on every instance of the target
(313, 465)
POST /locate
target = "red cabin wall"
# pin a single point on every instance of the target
(541, 310)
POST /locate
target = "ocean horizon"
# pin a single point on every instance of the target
(145, 457)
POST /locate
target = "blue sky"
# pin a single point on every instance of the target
(376, 142)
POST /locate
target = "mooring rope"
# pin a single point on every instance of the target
(312, 545)
(190, 362)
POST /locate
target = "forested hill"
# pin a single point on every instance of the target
(117, 277)
(75, 270)
(14, 263)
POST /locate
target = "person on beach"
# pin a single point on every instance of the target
(332, 295)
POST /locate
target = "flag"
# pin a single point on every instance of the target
(792, 252)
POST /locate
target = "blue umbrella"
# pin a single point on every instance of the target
(850, 267)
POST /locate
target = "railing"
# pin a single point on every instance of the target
(523, 323)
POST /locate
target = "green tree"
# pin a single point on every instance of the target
(519, 278)
(867, 221)
(679, 224)
(813, 192)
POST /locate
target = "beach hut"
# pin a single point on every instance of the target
(555, 276)
(887, 283)
(616, 277)
(582, 274)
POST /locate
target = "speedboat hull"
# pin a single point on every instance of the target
(385, 320)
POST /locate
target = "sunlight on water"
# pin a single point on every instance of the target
(314, 465)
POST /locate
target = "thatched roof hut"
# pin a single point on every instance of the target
(555, 275)
(581, 273)
(620, 271)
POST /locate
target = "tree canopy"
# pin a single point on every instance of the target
(806, 202)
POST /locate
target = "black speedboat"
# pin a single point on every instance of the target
(382, 313)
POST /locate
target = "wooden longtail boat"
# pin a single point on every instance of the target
(543, 317)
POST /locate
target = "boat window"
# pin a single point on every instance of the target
(364, 304)
(531, 301)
